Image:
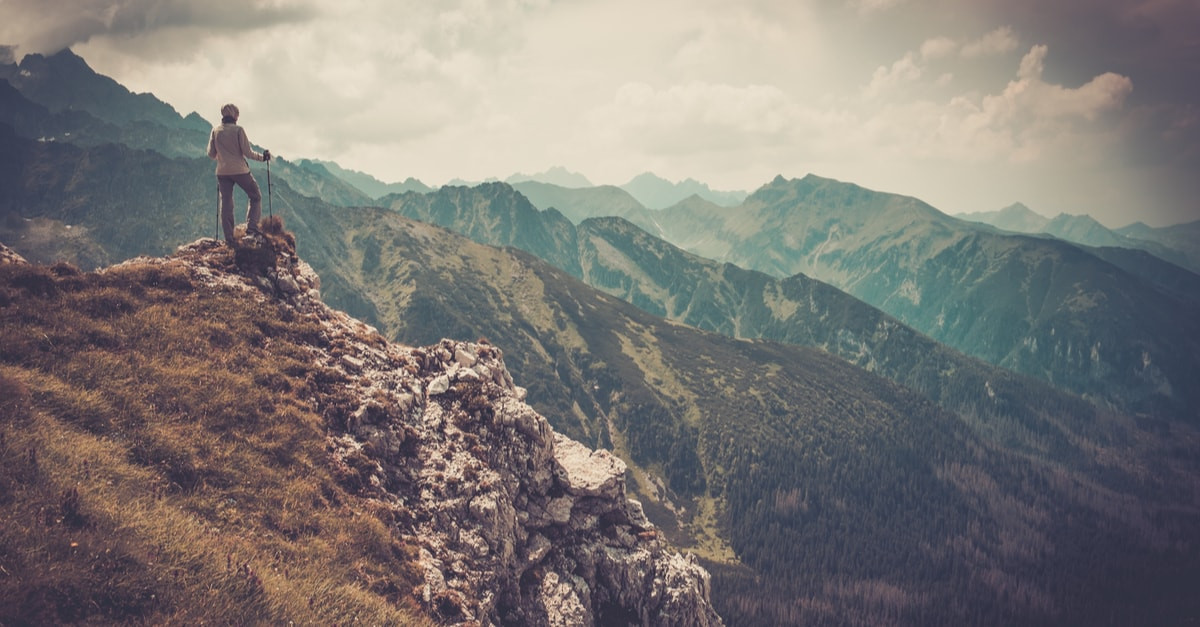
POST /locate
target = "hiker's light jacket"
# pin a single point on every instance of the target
(229, 145)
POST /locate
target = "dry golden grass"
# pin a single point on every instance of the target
(162, 461)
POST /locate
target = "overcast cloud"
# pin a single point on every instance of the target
(1076, 106)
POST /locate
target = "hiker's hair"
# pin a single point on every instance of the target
(230, 111)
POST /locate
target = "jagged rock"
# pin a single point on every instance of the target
(587, 472)
(464, 359)
(439, 385)
(513, 522)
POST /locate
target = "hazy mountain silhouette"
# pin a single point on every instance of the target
(368, 184)
(579, 204)
(1016, 218)
(656, 192)
(1180, 250)
(556, 175)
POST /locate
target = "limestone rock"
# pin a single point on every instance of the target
(514, 524)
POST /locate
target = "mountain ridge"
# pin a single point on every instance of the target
(1085, 230)
(941, 251)
(939, 274)
(656, 192)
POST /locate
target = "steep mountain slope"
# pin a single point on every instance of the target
(1038, 306)
(208, 409)
(64, 82)
(784, 463)
(494, 212)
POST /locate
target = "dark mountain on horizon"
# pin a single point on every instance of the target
(64, 82)
(655, 192)
(367, 184)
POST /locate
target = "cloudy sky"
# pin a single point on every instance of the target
(1075, 106)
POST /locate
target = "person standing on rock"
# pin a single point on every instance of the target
(230, 147)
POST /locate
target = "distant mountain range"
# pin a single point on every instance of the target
(1036, 305)
(580, 204)
(658, 193)
(854, 471)
(368, 184)
(572, 193)
(1113, 326)
(1179, 244)
(557, 175)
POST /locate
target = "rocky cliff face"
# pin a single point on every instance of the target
(515, 523)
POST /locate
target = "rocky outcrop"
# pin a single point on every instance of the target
(513, 523)
(8, 255)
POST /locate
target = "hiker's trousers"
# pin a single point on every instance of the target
(225, 183)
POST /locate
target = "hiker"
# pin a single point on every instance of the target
(229, 145)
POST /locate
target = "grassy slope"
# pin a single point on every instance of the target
(162, 461)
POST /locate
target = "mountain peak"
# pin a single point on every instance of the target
(556, 175)
(655, 192)
(64, 81)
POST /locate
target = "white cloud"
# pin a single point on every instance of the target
(864, 7)
(904, 70)
(1044, 101)
(938, 48)
(999, 41)
(696, 116)
(1028, 120)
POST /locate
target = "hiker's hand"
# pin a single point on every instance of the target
(266, 155)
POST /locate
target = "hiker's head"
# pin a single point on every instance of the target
(229, 113)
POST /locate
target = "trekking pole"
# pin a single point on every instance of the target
(270, 208)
